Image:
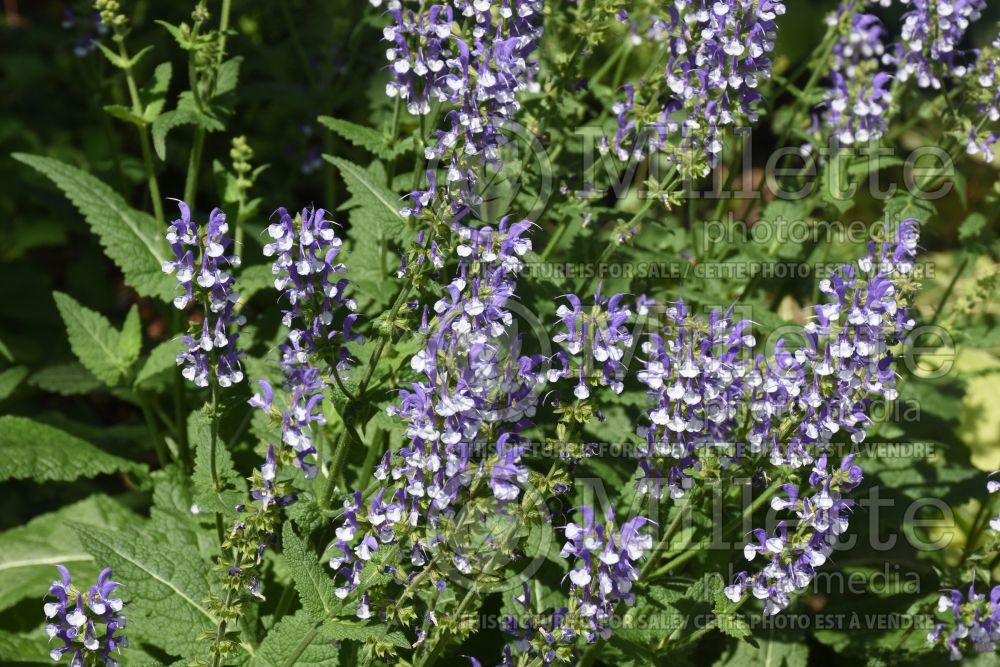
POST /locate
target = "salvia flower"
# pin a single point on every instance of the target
(972, 622)
(794, 551)
(858, 99)
(604, 567)
(697, 373)
(931, 34)
(817, 391)
(596, 339)
(202, 261)
(320, 316)
(985, 94)
(604, 563)
(86, 623)
(474, 58)
(718, 54)
(476, 393)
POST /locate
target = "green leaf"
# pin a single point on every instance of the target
(18, 648)
(156, 91)
(379, 205)
(112, 57)
(123, 113)
(227, 488)
(93, 340)
(972, 227)
(769, 652)
(11, 379)
(162, 358)
(172, 517)
(315, 586)
(904, 206)
(167, 587)
(30, 450)
(364, 137)
(228, 76)
(253, 279)
(29, 553)
(296, 640)
(71, 379)
(182, 36)
(130, 338)
(131, 238)
(169, 120)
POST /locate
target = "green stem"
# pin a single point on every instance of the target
(948, 290)
(144, 144)
(609, 248)
(213, 444)
(690, 552)
(180, 405)
(154, 430)
(340, 452)
(194, 164)
(220, 631)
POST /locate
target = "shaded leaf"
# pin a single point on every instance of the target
(131, 238)
(30, 450)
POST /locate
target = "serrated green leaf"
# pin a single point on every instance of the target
(169, 120)
(112, 57)
(770, 652)
(166, 590)
(30, 450)
(125, 114)
(11, 379)
(225, 489)
(972, 226)
(296, 640)
(315, 586)
(175, 31)
(904, 206)
(253, 279)
(359, 135)
(228, 76)
(18, 648)
(155, 93)
(131, 238)
(377, 204)
(71, 379)
(171, 514)
(29, 553)
(162, 358)
(130, 338)
(733, 625)
(93, 340)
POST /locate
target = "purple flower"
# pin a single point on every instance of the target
(698, 372)
(855, 105)
(931, 33)
(77, 618)
(201, 266)
(793, 552)
(477, 70)
(320, 317)
(816, 391)
(973, 618)
(603, 566)
(597, 339)
(985, 94)
(717, 57)
(475, 394)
